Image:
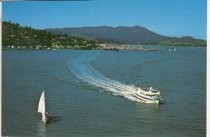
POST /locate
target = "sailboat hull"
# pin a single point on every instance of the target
(44, 119)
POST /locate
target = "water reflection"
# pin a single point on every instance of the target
(41, 129)
(154, 107)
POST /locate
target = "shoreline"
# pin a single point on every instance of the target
(125, 47)
(112, 47)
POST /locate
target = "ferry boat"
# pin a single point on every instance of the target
(148, 95)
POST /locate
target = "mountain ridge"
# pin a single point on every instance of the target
(127, 35)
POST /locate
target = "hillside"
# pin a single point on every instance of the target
(127, 35)
(17, 37)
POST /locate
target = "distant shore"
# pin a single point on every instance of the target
(17, 37)
(113, 47)
(119, 47)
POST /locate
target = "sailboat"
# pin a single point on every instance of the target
(41, 108)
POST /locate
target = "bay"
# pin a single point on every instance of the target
(81, 89)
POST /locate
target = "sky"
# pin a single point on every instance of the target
(167, 17)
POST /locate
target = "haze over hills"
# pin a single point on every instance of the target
(127, 35)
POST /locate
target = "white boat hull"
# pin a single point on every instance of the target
(141, 99)
(147, 96)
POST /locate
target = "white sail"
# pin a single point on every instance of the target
(41, 106)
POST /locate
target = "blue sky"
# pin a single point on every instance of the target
(166, 17)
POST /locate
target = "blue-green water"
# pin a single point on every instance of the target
(88, 91)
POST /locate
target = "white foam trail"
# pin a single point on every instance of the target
(82, 69)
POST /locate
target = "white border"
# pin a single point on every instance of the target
(1, 68)
(208, 75)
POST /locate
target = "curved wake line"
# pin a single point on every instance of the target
(82, 69)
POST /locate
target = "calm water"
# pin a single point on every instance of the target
(89, 92)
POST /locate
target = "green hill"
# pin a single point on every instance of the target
(17, 37)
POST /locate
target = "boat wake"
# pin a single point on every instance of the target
(83, 70)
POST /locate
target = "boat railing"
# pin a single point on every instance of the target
(148, 91)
